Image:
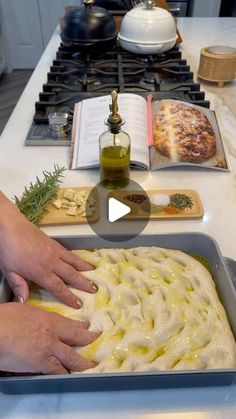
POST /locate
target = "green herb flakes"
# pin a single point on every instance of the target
(181, 201)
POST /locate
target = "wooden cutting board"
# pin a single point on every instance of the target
(54, 216)
(162, 213)
(195, 212)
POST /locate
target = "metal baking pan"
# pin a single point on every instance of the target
(224, 276)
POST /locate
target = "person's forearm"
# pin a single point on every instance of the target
(4, 202)
(4, 199)
(8, 211)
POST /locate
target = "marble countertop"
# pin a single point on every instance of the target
(19, 165)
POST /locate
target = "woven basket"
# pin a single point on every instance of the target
(218, 64)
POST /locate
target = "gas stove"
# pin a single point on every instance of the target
(75, 76)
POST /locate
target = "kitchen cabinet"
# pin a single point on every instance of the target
(205, 8)
(3, 60)
(28, 26)
(178, 8)
(22, 30)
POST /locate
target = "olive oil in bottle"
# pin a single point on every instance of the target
(114, 150)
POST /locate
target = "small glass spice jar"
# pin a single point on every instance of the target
(114, 150)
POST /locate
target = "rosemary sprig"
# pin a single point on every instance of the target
(37, 196)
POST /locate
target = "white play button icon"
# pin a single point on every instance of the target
(122, 214)
(116, 210)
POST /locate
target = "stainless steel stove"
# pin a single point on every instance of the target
(75, 76)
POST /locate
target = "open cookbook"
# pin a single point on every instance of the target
(163, 133)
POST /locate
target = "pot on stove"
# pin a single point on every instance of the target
(88, 27)
(147, 29)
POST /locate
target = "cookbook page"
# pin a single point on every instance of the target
(185, 135)
(88, 125)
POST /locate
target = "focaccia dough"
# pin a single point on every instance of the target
(157, 309)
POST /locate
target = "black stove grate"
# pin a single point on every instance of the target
(75, 76)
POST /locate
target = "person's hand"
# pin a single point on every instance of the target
(26, 253)
(33, 340)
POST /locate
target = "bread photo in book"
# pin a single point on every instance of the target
(183, 133)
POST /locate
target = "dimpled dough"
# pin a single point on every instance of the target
(157, 309)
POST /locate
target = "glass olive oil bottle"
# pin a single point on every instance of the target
(114, 150)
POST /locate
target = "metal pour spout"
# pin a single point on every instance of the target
(114, 118)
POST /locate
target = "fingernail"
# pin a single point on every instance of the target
(92, 364)
(94, 287)
(19, 299)
(88, 267)
(79, 303)
(95, 364)
(97, 334)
